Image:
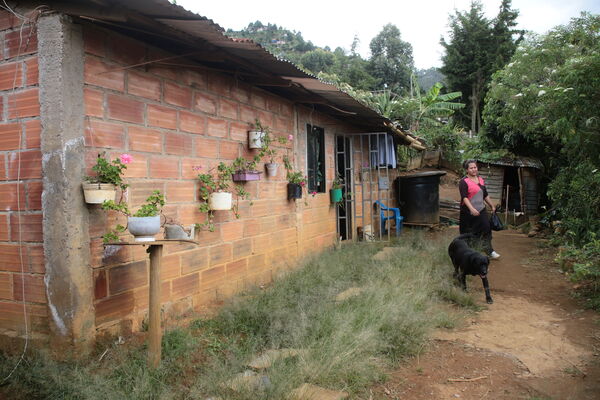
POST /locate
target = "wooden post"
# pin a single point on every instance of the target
(506, 212)
(154, 328)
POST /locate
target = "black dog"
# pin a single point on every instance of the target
(469, 262)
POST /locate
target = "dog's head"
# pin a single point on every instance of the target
(481, 264)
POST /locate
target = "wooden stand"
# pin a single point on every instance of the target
(155, 249)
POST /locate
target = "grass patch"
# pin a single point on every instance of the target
(346, 345)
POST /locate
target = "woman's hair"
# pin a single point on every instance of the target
(467, 162)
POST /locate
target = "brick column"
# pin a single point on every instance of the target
(65, 217)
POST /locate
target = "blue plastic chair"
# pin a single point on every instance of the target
(392, 213)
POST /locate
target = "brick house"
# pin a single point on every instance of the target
(166, 86)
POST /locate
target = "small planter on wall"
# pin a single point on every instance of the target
(143, 229)
(255, 139)
(335, 195)
(271, 169)
(220, 201)
(294, 191)
(98, 193)
(245, 176)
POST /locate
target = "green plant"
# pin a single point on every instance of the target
(295, 177)
(267, 141)
(337, 182)
(110, 171)
(240, 164)
(152, 207)
(220, 181)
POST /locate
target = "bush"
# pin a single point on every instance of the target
(575, 193)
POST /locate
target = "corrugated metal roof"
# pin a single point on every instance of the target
(246, 60)
(516, 162)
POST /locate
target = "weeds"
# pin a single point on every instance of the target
(343, 345)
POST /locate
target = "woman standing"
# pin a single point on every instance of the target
(473, 214)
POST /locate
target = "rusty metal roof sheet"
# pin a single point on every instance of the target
(182, 31)
(516, 162)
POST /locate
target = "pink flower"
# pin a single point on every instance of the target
(302, 183)
(313, 193)
(126, 158)
(290, 137)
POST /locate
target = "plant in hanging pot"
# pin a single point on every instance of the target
(245, 170)
(103, 186)
(335, 193)
(216, 194)
(143, 224)
(296, 180)
(256, 135)
(268, 150)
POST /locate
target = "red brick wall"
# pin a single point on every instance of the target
(21, 250)
(173, 121)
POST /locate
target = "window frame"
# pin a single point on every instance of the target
(315, 163)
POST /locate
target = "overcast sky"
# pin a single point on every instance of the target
(421, 22)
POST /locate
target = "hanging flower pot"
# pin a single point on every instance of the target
(220, 201)
(97, 193)
(335, 195)
(271, 169)
(255, 139)
(245, 176)
(294, 191)
(143, 229)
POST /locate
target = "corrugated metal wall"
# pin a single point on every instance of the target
(494, 180)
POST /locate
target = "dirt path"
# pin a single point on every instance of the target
(534, 342)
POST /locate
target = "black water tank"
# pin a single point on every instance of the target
(420, 197)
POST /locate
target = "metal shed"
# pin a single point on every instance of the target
(513, 183)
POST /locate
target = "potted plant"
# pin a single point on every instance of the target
(335, 193)
(245, 170)
(216, 194)
(256, 134)
(103, 186)
(296, 180)
(143, 224)
(268, 150)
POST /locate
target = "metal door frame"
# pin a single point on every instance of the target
(369, 175)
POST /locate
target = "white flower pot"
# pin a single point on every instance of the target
(143, 228)
(255, 139)
(271, 169)
(220, 201)
(97, 193)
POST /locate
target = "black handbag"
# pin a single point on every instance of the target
(495, 222)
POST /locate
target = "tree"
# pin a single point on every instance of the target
(476, 48)
(391, 59)
(544, 103)
(318, 60)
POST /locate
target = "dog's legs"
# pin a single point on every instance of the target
(462, 277)
(486, 287)
(456, 270)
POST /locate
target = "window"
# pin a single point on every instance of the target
(315, 156)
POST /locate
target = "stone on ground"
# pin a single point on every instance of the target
(350, 292)
(312, 392)
(385, 253)
(267, 359)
